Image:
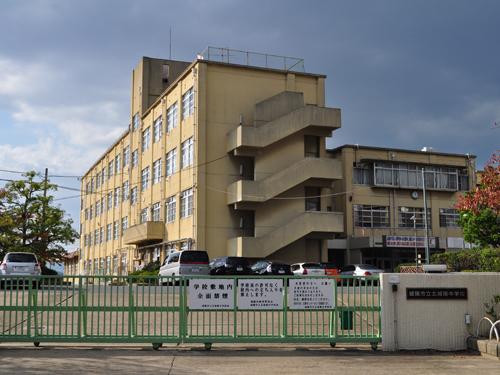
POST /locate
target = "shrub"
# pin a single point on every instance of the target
(475, 260)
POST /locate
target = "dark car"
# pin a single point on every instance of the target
(268, 267)
(230, 266)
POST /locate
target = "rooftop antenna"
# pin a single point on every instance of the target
(170, 45)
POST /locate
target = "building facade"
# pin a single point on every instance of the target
(221, 156)
(382, 197)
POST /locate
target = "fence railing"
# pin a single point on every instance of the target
(199, 309)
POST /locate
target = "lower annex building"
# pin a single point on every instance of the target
(230, 157)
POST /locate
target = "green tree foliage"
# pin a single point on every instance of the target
(30, 222)
(479, 260)
(480, 209)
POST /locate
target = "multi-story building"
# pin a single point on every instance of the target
(382, 197)
(219, 155)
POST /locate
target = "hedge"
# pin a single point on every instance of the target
(472, 260)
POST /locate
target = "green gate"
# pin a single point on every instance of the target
(135, 309)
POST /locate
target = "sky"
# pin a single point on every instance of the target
(405, 74)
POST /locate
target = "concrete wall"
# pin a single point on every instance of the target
(433, 324)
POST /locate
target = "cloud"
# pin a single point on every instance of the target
(21, 79)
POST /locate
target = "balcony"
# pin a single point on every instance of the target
(322, 170)
(310, 223)
(148, 232)
(246, 140)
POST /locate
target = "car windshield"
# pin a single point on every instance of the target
(237, 261)
(368, 267)
(312, 265)
(190, 256)
(21, 258)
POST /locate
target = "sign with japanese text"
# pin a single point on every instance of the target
(408, 241)
(211, 294)
(260, 294)
(311, 294)
(436, 293)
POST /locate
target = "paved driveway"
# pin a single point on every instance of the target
(234, 359)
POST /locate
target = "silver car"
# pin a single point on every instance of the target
(20, 264)
(307, 269)
(185, 263)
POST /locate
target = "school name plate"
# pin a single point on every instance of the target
(436, 293)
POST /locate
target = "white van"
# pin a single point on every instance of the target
(185, 263)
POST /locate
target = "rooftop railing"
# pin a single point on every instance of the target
(262, 60)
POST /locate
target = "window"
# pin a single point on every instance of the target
(92, 180)
(117, 196)
(103, 175)
(101, 266)
(103, 204)
(111, 167)
(144, 178)
(463, 180)
(124, 264)
(116, 230)
(371, 216)
(86, 214)
(90, 213)
(110, 200)
(135, 122)
(124, 223)
(362, 174)
(311, 146)
(156, 212)
(125, 190)
(410, 176)
(133, 195)
(171, 161)
(170, 208)
(187, 153)
(146, 136)
(96, 266)
(156, 171)
(98, 208)
(108, 232)
(448, 217)
(157, 129)
(144, 215)
(135, 158)
(188, 103)
(96, 236)
(313, 199)
(101, 235)
(98, 180)
(126, 156)
(407, 215)
(115, 264)
(172, 117)
(187, 203)
(118, 164)
(87, 188)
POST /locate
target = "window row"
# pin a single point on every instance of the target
(372, 216)
(410, 176)
(115, 265)
(112, 231)
(153, 213)
(172, 114)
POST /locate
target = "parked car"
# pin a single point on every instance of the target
(307, 269)
(269, 267)
(19, 264)
(185, 263)
(360, 270)
(230, 266)
(330, 268)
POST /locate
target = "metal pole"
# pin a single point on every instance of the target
(425, 221)
(415, 236)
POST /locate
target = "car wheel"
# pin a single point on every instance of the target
(157, 345)
(374, 345)
(333, 344)
(208, 346)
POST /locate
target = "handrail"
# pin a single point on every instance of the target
(491, 329)
(494, 328)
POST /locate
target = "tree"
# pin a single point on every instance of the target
(30, 222)
(480, 209)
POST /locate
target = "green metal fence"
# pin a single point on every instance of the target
(132, 309)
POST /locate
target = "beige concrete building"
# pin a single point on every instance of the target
(227, 156)
(382, 197)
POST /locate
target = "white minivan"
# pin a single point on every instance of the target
(185, 263)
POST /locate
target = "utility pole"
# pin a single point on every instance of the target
(425, 220)
(44, 209)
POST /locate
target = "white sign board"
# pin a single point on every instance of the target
(260, 294)
(211, 294)
(311, 294)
